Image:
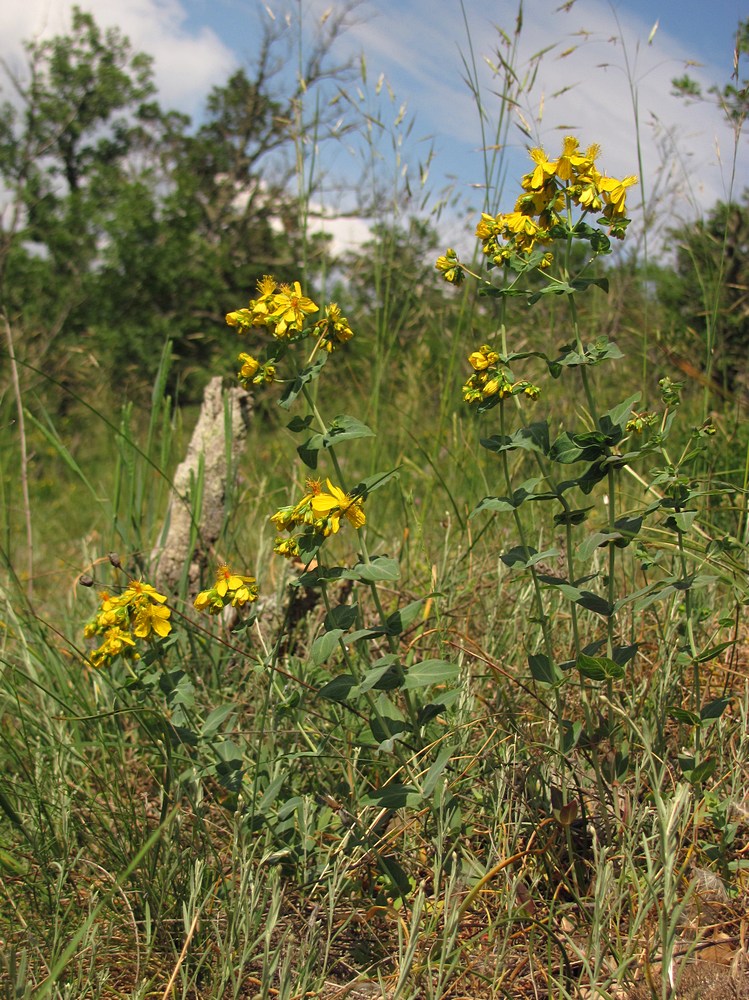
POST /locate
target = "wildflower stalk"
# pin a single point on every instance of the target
(391, 639)
(611, 480)
(543, 620)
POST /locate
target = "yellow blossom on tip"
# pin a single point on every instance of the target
(450, 267)
(152, 618)
(116, 642)
(227, 580)
(520, 224)
(137, 591)
(290, 308)
(487, 227)
(286, 547)
(482, 358)
(615, 193)
(266, 286)
(334, 504)
(229, 588)
(249, 365)
(565, 170)
(544, 169)
(209, 600)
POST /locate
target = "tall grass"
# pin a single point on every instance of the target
(204, 823)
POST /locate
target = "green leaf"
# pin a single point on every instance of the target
(569, 448)
(372, 483)
(593, 602)
(386, 675)
(591, 477)
(543, 670)
(572, 516)
(324, 646)
(338, 689)
(308, 451)
(435, 771)
(271, 793)
(580, 284)
(399, 620)
(215, 719)
(386, 730)
(713, 651)
(714, 709)
(682, 715)
(364, 633)
(341, 616)
(598, 668)
(503, 504)
(380, 569)
(533, 437)
(623, 654)
(298, 424)
(393, 796)
(319, 576)
(309, 546)
(571, 733)
(228, 768)
(345, 428)
(430, 672)
(624, 531)
(520, 556)
(307, 375)
(702, 771)
(618, 415)
(682, 521)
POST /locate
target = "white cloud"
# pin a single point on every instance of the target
(585, 84)
(186, 62)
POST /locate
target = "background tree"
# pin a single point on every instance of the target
(706, 294)
(125, 225)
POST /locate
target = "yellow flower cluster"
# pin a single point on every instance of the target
(450, 267)
(284, 310)
(490, 380)
(317, 513)
(552, 188)
(229, 588)
(139, 612)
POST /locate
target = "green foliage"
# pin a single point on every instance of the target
(707, 293)
(732, 97)
(454, 744)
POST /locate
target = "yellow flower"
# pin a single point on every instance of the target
(229, 588)
(450, 267)
(290, 308)
(116, 641)
(266, 286)
(570, 157)
(487, 227)
(209, 599)
(483, 357)
(334, 504)
(241, 318)
(283, 518)
(137, 592)
(152, 618)
(520, 224)
(615, 193)
(286, 547)
(226, 580)
(545, 169)
(249, 366)
(314, 489)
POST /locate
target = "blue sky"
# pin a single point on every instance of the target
(598, 60)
